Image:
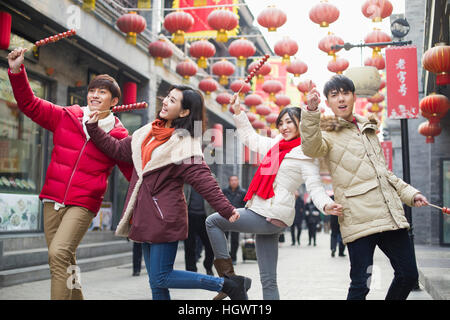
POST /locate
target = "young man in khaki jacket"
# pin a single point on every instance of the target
(370, 194)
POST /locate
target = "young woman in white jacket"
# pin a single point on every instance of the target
(270, 199)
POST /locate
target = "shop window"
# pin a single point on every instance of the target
(21, 162)
(446, 200)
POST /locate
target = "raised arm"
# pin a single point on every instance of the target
(43, 112)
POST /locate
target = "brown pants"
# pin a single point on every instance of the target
(64, 230)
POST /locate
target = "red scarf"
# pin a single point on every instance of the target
(161, 134)
(262, 182)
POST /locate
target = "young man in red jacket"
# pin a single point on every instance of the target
(77, 176)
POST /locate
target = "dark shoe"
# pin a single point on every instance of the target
(233, 262)
(209, 272)
(223, 267)
(236, 287)
(292, 244)
(136, 274)
(333, 252)
(342, 255)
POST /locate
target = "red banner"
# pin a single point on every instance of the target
(201, 27)
(387, 150)
(402, 83)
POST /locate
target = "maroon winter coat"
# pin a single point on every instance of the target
(155, 196)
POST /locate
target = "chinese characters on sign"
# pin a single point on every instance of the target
(387, 150)
(402, 82)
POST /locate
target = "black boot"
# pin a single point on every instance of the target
(236, 287)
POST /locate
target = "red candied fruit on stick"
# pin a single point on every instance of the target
(446, 210)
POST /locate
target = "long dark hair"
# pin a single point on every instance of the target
(194, 102)
(294, 113)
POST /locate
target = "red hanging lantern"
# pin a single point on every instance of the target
(377, 10)
(131, 23)
(242, 49)
(376, 61)
(272, 87)
(262, 72)
(382, 84)
(224, 99)
(202, 50)
(375, 100)
(328, 41)
(263, 111)
(338, 65)
(186, 69)
(238, 84)
(272, 18)
(253, 100)
(304, 87)
(208, 85)
(437, 60)
(434, 107)
(258, 124)
(178, 23)
(5, 30)
(251, 116)
(217, 142)
(282, 100)
(324, 13)
(129, 92)
(223, 69)
(377, 36)
(374, 109)
(429, 130)
(271, 119)
(222, 20)
(160, 50)
(286, 48)
(297, 67)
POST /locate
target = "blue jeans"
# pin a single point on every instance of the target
(159, 259)
(396, 245)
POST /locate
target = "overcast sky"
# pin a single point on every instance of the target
(352, 26)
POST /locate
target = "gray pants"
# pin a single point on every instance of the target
(267, 236)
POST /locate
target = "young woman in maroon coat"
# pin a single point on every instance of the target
(165, 155)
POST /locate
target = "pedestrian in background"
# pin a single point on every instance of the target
(298, 219)
(312, 218)
(166, 154)
(137, 258)
(236, 195)
(336, 238)
(371, 195)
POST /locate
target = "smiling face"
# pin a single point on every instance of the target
(341, 103)
(100, 99)
(288, 127)
(171, 107)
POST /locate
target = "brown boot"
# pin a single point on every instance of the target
(223, 267)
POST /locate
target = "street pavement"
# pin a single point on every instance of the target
(304, 273)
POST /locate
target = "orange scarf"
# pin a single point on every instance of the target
(161, 135)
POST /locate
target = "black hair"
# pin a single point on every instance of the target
(338, 82)
(294, 113)
(194, 102)
(105, 81)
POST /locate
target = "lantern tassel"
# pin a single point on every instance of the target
(131, 38)
(222, 36)
(159, 62)
(202, 63)
(178, 37)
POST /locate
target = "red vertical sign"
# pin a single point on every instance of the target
(387, 150)
(402, 82)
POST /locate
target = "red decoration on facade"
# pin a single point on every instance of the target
(434, 107)
(186, 69)
(241, 49)
(324, 13)
(129, 92)
(160, 50)
(208, 85)
(437, 60)
(217, 137)
(222, 20)
(297, 67)
(429, 130)
(131, 23)
(178, 23)
(223, 69)
(286, 48)
(272, 18)
(5, 30)
(202, 50)
(272, 87)
(387, 151)
(377, 10)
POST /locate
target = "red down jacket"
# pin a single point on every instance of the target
(78, 171)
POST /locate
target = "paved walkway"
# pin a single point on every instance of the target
(304, 273)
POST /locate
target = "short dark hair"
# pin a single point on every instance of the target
(105, 81)
(338, 82)
(194, 102)
(293, 112)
